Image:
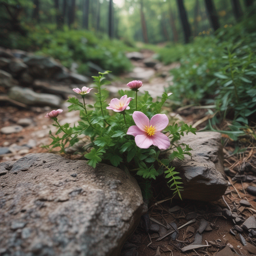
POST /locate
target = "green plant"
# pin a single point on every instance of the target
(110, 139)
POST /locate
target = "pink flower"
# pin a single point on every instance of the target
(54, 113)
(85, 90)
(134, 84)
(147, 132)
(120, 105)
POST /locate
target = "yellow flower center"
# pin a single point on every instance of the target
(150, 130)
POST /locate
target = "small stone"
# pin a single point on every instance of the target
(251, 190)
(154, 227)
(238, 228)
(73, 175)
(30, 144)
(232, 232)
(238, 220)
(26, 233)
(203, 224)
(25, 121)
(191, 215)
(242, 240)
(23, 151)
(17, 224)
(134, 56)
(198, 239)
(249, 223)
(227, 212)
(11, 129)
(4, 150)
(253, 232)
(245, 203)
(78, 79)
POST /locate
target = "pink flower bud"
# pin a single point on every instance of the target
(85, 90)
(136, 84)
(54, 113)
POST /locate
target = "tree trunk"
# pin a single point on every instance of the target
(237, 9)
(143, 23)
(64, 9)
(110, 20)
(86, 14)
(57, 15)
(35, 14)
(248, 3)
(184, 20)
(196, 13)
(71, 12)
(172, 23)
(212, 14)
(98, 17)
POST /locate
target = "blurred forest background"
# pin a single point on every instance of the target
(213, 40)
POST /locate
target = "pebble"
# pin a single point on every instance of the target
(245, 203)
(242, 240)
(23, 151)
(238, 228)
(249, 223)
(17, 224)
(26, 233)
(4, 150)
(25, 122)
(73, 175)
(11, 129)
(251, 190)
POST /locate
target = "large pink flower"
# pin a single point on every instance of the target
(147, 132)
(119, 105)
(136, 84)
(54, 113)
(85, 90)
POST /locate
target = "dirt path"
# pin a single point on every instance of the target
(155, 80)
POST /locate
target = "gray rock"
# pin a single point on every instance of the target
(25, 121)
(249, 223)
(92, 216)
(6, 79)
(134, 56)
(42, 67)
(30, 144)
(6, 53)
(251, 190)
(149, 62)
(19, 54)
(245, 203)
(4, 150)
(24, 163)
(16, 66)
(29, 97)
(4, 62)
(203, 174)
(139, 73)
(78, 79)
(18, 224)
(11, 129)
(26, 78)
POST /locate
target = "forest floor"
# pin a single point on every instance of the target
(142, 243)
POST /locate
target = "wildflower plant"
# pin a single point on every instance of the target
(128, 133)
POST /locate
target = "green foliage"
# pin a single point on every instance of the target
(218, 70)
(109, 142)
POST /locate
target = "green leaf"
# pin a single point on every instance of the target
(221, 76)
(245, 80)
(94, 157)
(131, 155)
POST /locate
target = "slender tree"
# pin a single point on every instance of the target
(249, 3)
(184, 20)
(110, 19)
(57, 14)
(143, 22)
(196, 13)
(64, 10)
(71, 12)
(237, 9)
(172, 23)
(35, 13)
(86, 5)
(212, 14)
(98, 16)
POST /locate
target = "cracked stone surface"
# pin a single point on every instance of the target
(44, 210)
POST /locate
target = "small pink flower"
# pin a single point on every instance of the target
(120, 105)
(147, 132)
(54, 113)
(136, 84)
(85, 90)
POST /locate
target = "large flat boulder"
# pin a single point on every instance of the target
(203, 175)
(55, 206)
(29, 97)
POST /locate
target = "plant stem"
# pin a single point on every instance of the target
(124, 118)
(136, 98)
(232, 75)
(60, 127)
(101, 107)
(84, 105)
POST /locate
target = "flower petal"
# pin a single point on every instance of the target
(159, 121)
(134, 131)
(143, 141)
(140, 119)
(161, 141)
(77, 90)
(123, 99)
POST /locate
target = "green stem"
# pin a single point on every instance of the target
(136, 98)
(102, 108)
(60, 126)
(86, 112)
(232, 75)
(124, 117)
